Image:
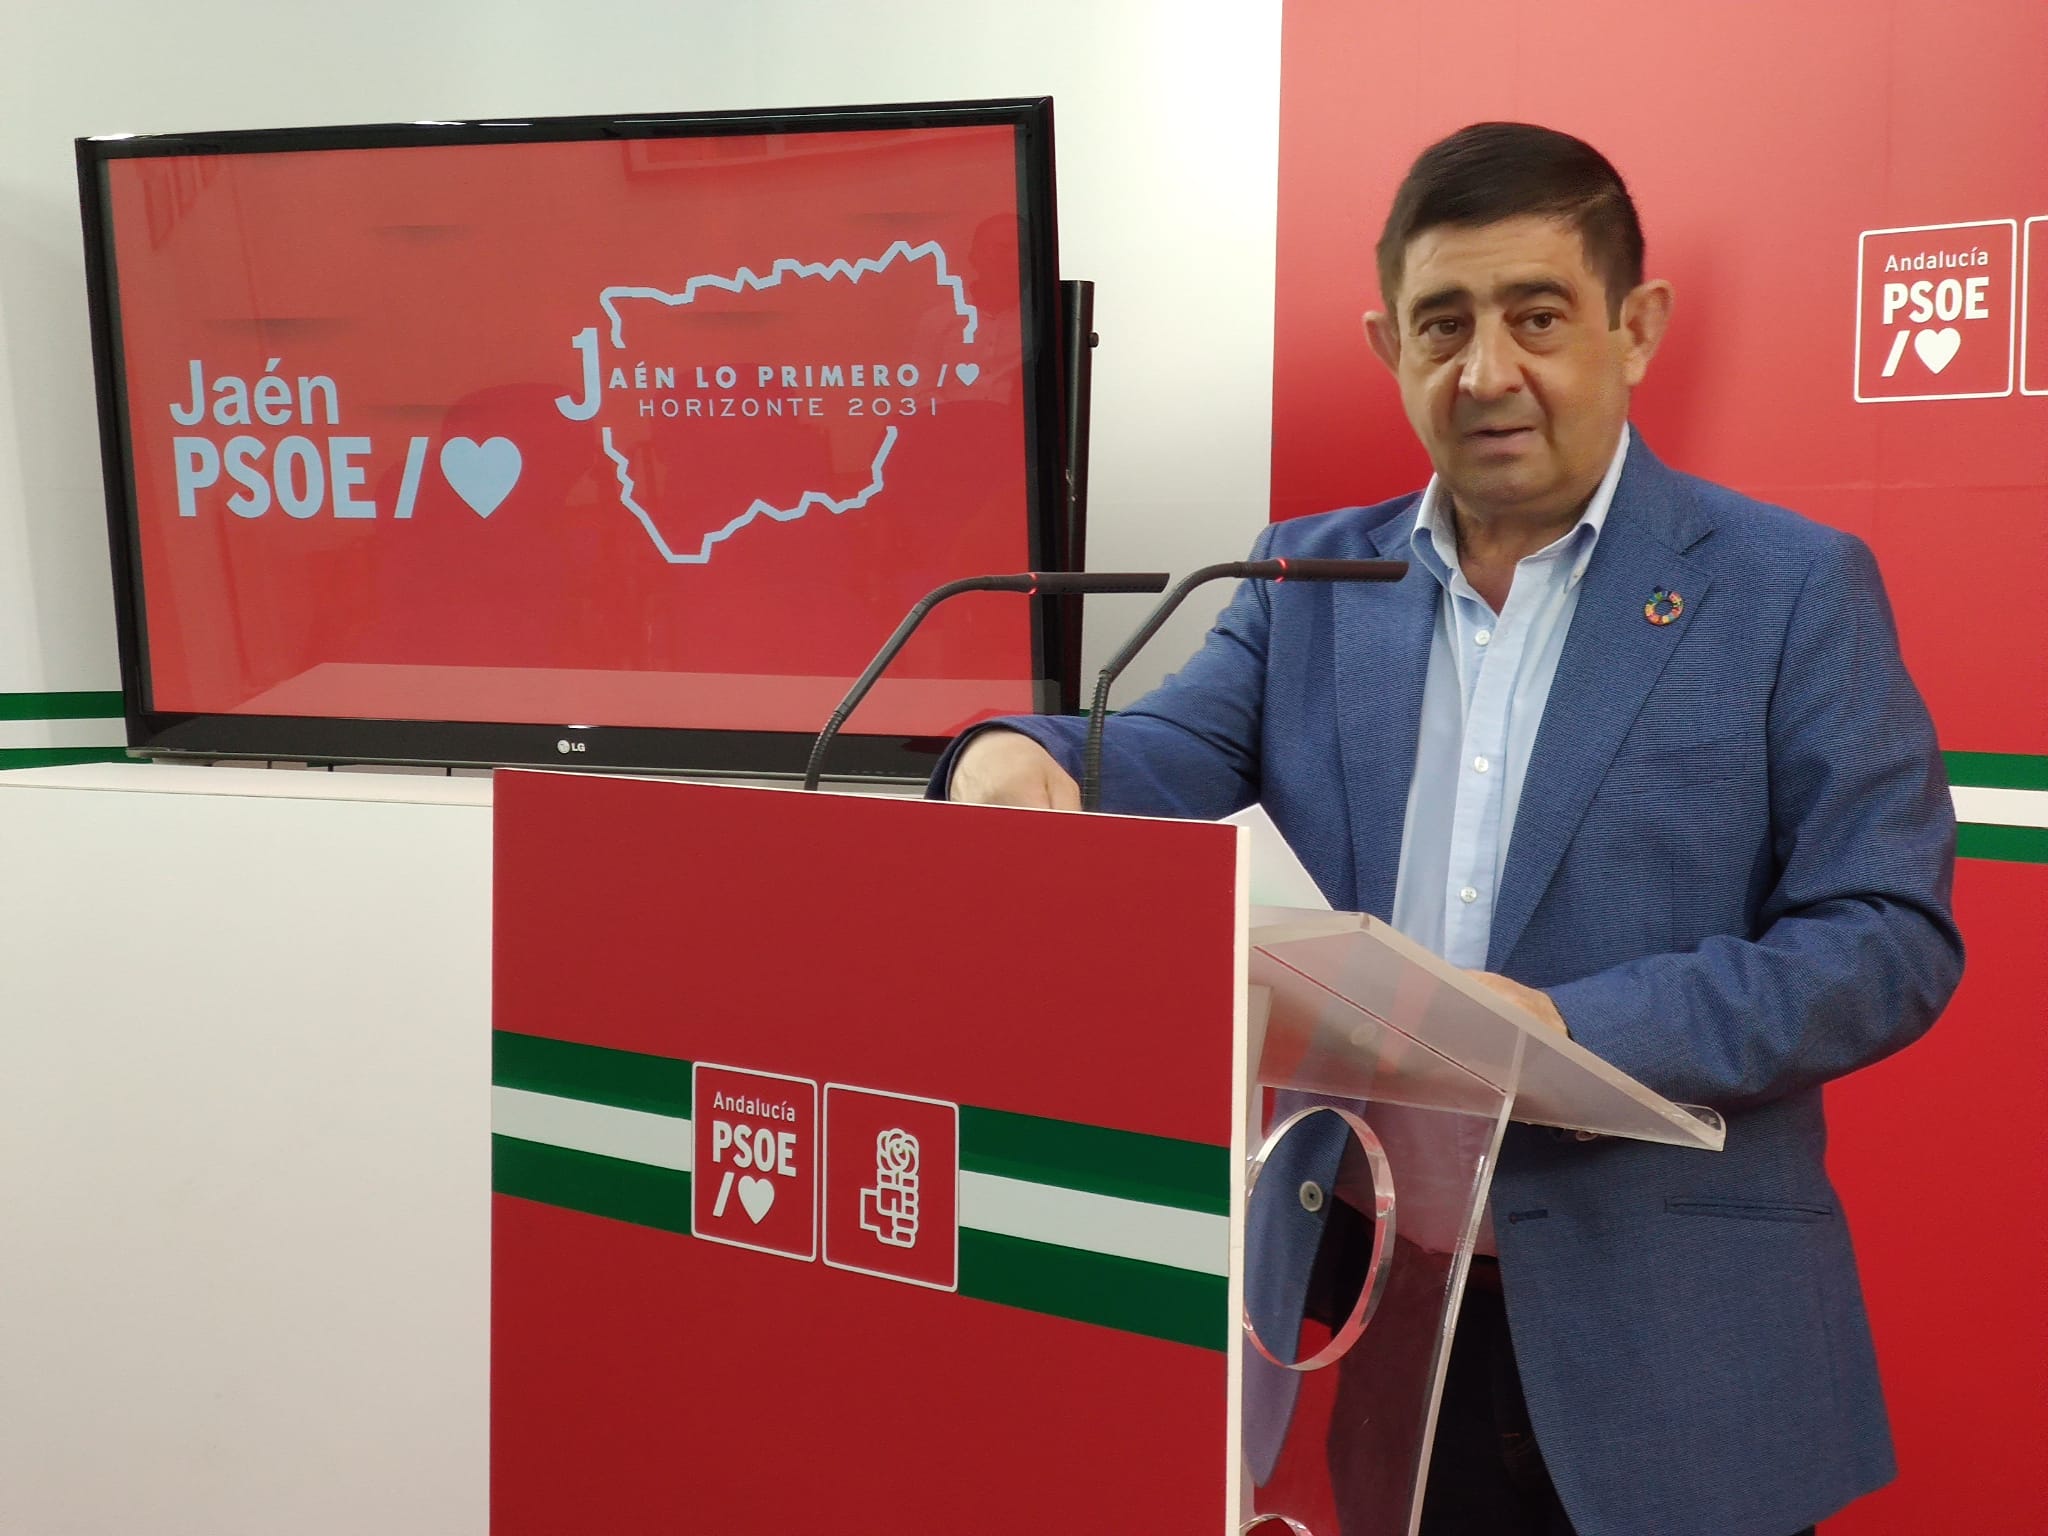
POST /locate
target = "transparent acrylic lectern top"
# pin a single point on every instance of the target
(1380, 1079)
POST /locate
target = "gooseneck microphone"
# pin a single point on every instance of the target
(1029, 583)
(1240, 570)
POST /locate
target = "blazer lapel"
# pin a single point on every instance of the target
(1611, 660)
(1381, 641)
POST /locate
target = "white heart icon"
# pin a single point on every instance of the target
(967, 373)
(756, 1195)
(1937, 349)
(482, 474)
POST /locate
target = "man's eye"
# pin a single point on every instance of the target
(1440, 330)
(1542, 320)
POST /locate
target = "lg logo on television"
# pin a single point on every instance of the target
(1952, 311)
(302, 474)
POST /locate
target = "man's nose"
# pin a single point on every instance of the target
(1491, 366)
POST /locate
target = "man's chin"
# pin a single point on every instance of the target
(1501, 487)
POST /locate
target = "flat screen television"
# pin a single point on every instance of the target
(604, 441)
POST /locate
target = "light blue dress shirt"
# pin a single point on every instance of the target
(1482, 700)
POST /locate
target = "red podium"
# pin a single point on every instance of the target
(878, 1166)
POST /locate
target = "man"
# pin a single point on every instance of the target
(1642, 752)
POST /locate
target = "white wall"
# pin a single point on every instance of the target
(244, 1153)
(1167, 129)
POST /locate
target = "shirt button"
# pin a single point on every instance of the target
(1468, 895)
(1480, 765)
(1482, 637)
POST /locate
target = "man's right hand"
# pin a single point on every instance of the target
(1002, 767)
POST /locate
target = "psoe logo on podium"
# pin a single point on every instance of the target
(892, 1186)
(754, 1162)
(1937, 309)
(2034, 309)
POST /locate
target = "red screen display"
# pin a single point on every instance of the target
(658, 432)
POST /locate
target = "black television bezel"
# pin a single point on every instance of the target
(489, 744)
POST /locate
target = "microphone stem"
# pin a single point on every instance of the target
(815, 769)
(1028, 583)
(1091, 756)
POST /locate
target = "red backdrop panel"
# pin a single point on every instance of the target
(1938, 1152)
(1761, 143)
(1764, 144)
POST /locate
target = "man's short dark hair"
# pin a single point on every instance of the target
(1494, 171)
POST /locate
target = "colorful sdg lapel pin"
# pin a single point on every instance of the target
(1663, 607)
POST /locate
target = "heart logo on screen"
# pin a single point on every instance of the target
(756, 1195)
(482, 474)
(1937, 349)
(968, 372)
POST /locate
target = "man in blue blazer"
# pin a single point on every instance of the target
(1642, 753)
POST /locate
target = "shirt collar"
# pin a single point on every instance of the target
(1435, 544)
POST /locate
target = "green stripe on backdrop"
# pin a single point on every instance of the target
(627, 1079)
(1985, 770)
(1187, 1174)
(58, 757)
(1997, 770)
(60, 706)
(2012, 845)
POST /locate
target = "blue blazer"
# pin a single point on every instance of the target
(1731, 871)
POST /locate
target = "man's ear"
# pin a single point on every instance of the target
(1384, 336)
(1645, 316)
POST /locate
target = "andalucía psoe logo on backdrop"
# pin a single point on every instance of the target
(1937, 311)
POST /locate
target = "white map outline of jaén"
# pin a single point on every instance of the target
(744, 280)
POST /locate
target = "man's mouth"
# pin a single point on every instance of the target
(1497, 433)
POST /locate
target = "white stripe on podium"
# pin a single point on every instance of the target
(631, 1135)
(1073, 1218)
(1040, 1213)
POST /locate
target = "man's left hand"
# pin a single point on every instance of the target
(1535, 1002)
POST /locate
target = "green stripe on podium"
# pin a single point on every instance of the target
(1124, 1294)
(597, 1186)
(629, 1079)
(1155, 1169)
(1097, 1226)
